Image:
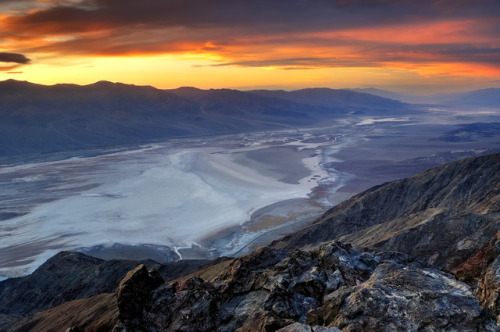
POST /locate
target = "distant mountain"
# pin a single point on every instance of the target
(243, 105)
(382, 93)
(470, 132)
(342, 100)
(402, 97)
(484, 97)
(390, 271)
(489, 98)
(40, 119)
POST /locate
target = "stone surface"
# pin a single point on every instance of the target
(334, 286)
(482, 272)
(133, 291)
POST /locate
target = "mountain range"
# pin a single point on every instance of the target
(415, 254)
(38, 119)
(41, 119)
(486, 98)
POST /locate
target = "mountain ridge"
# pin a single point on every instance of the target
(413, 202)
(104, 114)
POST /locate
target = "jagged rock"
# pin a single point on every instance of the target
(334, 286)
(404, 298)
(482, 272)
(134, 291)
(298, 327)
(490, 289)
(70, 276)
(370, 292)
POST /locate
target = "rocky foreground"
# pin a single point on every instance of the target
(418, 254)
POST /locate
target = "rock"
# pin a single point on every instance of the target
(70, 276)
(332, 286)
(406, 298)
(370, 292)
(134, 291)
(482, 272)
(298, 327)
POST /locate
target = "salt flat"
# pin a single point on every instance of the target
(163, 195)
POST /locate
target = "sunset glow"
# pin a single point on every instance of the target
(238, 44)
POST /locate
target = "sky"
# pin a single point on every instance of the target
(412, 46)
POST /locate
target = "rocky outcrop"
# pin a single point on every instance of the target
(66, 276)
(133, 292)
(402, 298)
(482, 272)
(442, 216)
(332, 287)
(70, 276)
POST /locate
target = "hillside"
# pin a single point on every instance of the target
(439, 216)
(41, 119)
(482, 98)
(345, 100)
(414, 254)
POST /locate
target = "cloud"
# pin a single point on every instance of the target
(256, 15)
(14, 57)
(260, 33)
(302, 63)
(251, 16)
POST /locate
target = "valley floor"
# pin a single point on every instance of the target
(204, 198)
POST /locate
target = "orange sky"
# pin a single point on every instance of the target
(403, 45)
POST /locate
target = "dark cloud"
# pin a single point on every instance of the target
(13, 57)
(253, 15)
(13, 1)
(246, 31)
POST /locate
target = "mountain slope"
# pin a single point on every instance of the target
(340, 100)
(330, 288)
(80, 276)
(442, 215)
(484, 97)
(40, 119)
